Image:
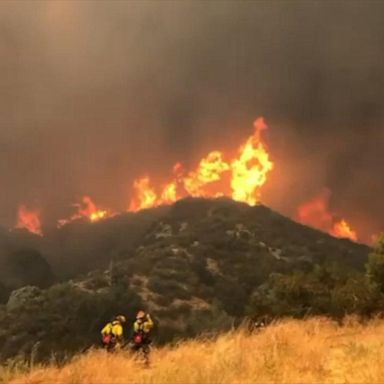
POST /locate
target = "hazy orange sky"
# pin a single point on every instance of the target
(96, 93)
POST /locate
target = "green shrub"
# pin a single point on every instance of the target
(169, 288)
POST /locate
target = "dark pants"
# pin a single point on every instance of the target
(143, 345)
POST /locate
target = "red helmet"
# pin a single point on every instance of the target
(140, 314)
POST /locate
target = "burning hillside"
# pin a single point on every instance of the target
(240, 177)
(183, 253)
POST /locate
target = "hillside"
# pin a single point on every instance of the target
(310, 351)
(197, 265)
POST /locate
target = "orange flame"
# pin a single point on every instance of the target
(343, 230)
(146, 196)
(315, 213)
(89, 210)
(208, 171)
(169, 193)
(250, 169)
(86, 209)
(29, 219)
(241, 177)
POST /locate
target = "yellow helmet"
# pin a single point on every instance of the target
(121, 318)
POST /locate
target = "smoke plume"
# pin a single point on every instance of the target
(95, 94)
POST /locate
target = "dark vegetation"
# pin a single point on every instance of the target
(197, 266)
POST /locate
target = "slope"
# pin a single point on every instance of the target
(197, 265)
(310, 351)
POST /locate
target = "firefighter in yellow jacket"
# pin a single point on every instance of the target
(141, 334)
(113, 333)
(143, 323)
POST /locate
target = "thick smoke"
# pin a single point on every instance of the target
(94, 94)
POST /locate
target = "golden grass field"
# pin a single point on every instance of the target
(309, 351)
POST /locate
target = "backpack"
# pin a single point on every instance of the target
(107, 338)
(138, 338)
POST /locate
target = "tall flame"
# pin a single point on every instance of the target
(145, 194)
(169, 193)
(241, 177)
(316, 213)
(29, 219)
(250, 169)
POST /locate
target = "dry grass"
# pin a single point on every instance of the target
(291, 351)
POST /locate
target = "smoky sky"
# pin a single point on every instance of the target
(93, 94)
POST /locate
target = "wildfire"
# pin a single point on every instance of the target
(86, 209)
(29, 219)
(89, 210)
(250, 169)
(241, 177)
(145, 194)
(208, 171)
(169, 193)
(342, 229)
(316, 213)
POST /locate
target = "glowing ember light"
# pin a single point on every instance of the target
(240, 178)
(86, 210)
(315, 213)
(29, 219)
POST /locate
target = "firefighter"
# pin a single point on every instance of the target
(142, 328)
(113, 334)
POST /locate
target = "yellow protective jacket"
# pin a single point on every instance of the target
(115, 328)
(144, 326)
